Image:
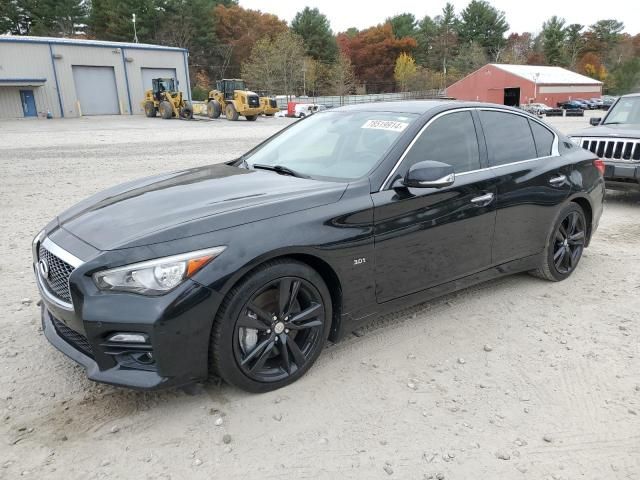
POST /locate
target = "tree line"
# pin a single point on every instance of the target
(401, 53)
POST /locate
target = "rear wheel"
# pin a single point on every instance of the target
(271, 327)
(166, 110)
(251, 118)
(150, 109)
(213, 109)
(231, 113)
(564, 248)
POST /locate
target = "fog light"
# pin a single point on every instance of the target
(144, 358)
(129, 338)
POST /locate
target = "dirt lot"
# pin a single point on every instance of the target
(517, 378)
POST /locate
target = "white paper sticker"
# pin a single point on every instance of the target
(386, 125)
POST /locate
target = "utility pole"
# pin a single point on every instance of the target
(304, 79)
(135, 33)
(535, 87)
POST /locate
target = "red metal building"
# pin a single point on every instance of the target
(517, 85)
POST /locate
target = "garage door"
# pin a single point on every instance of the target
(148, 74)
(96, 90)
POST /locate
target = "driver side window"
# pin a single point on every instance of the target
(450, 139)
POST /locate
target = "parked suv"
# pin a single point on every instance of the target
(616, 139)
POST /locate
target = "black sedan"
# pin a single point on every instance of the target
(244, 270)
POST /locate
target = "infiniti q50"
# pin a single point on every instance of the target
(244, 270)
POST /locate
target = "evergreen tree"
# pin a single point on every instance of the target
(553, 37)
(403, 25)
(574, 43)
(482, 24)
(14, 17)
(315, 30)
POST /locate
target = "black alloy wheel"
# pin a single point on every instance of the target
(566, 245)
(569, 243)
(278, 329)
(271, 327)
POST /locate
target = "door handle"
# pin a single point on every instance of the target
(483, 200)
(559, 180)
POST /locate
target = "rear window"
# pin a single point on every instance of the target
(543, 137)
(508, 136)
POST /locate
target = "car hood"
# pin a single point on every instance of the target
(622, 131)
(191, 202)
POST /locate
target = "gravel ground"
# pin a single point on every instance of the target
(516, 378)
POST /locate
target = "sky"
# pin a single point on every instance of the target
(523, 16)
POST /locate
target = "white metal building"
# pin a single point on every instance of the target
(70, 77)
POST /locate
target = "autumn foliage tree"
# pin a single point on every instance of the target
(276, 64)
(239, 29)
(373, 53)
(404, 71)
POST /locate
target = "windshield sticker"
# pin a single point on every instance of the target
(385, 125)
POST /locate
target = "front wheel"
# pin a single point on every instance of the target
(565, 246)
(251, 118)
(231, 113)
(271, 327)
(186, 111)
(166, 110)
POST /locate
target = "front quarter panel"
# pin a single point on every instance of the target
(339, 234)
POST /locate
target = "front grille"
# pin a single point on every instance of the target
(614, 148)
(58, 278)
(253, 100)
(73, 338)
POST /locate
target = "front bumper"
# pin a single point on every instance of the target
(251, 111)
(115, 375)
(177, 326)
(622, 175)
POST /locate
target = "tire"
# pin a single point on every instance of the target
(166, 110)
(251, 118)
(252, 358)
(565, 245)
(150, 109)
(213, 109)
(186, 111)
(302, 115)
(231, 113)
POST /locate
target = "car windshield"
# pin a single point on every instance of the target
(336, 145)
(625, 111)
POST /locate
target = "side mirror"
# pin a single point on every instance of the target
(429, 174)
(595, 121)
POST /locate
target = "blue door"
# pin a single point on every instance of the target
(28, 103)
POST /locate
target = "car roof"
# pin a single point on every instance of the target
(637, 94)
(417, 106)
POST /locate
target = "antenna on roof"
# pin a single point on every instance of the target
(135, 33)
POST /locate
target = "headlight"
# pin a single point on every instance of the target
(576, 140)
(155, 277)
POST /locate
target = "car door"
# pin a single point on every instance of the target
(533, 182)
(426, 236)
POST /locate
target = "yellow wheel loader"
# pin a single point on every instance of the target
(232, 98)
(163, 98)
(268, 105)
